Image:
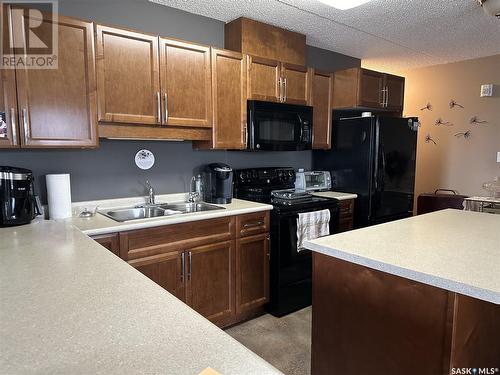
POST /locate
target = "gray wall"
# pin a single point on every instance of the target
(110, 172)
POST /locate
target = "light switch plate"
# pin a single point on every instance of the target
(487, 90)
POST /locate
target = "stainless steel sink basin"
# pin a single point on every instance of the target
(191, 207)
(137, 213)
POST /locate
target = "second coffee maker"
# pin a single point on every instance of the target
(218, 183)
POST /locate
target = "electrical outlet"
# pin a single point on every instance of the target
(487, 90)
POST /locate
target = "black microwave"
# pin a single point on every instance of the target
(279, 127)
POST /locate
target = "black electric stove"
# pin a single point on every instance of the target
(290, 279)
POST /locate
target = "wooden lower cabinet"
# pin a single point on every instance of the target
(109, 241)
(210, 275)
(165, 270)
(252, 272)
(346, 215)
(220, 272)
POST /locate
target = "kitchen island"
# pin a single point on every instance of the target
(415, 296)
(68, 305)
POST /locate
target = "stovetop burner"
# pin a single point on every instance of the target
(290, 194)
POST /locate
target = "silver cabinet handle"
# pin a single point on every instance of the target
(183, 266)
(251, 225)
(13, 125)
(382, 103)
(386, 96)
(280, 83)
(25, 125)
(158, 105)
(284, 89)
(245, 133)
(190, 255)
(165, 98)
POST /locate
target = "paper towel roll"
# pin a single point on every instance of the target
(59, 195)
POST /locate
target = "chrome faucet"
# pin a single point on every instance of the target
(151, 193)
(193, 194)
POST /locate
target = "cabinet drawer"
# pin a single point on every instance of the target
(147, 242)
(251, 224)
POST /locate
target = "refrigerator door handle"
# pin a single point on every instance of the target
(375, 168)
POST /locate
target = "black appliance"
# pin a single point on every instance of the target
(290, 278)
(279, 127)
(17, 200)
(218, 183)
(373, 157)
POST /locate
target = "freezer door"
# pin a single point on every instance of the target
(394, 169)
(350, 162)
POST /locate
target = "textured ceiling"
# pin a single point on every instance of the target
(392, 35)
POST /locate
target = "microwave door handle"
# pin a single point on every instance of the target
(301, 128)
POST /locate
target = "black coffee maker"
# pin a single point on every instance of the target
(17, 200)
(218, 181)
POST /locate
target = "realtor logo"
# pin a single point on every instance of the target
(29, 34)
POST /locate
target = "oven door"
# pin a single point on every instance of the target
(279, 127)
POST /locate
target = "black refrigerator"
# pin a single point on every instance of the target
(373, 157)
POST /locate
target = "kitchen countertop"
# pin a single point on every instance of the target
(451, 249)
(70, 306)
(100, 224)
(335, 194)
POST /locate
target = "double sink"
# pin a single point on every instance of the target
(158, 210)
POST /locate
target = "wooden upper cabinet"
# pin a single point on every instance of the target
(395, 91)
(128, 80)
(8, 110)
(322, 101)
(363, 88)
(259, 39)
(57, 106)
(185, 84)
(210, 278)
(165, 269)
(370, 92)
(229, 97)
(252, 272)
(296, 84)
(264, 79)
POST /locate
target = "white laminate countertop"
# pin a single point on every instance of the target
(450, 249)
(336, 195)
(69, 306)
(100, 224)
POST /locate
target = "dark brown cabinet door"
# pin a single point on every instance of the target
(370, 93)
(128, 80)
(109, 241)
(57, 106)
(252, 272)
(185, 83)
(229, 99)
(210, 275)
(164, 269)
(8, 110)
(395, 91)
(322, 102)
(296, 84)
(264, 79)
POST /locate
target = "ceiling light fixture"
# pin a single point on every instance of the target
(344, 4)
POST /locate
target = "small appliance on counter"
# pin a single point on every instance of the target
(218, 183)
(17, 200)
(313, 180)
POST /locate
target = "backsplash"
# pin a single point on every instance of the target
(110, 170)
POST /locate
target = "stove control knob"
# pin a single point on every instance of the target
(254, 174)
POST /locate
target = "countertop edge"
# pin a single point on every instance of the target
(173, 220)
(436, 281)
